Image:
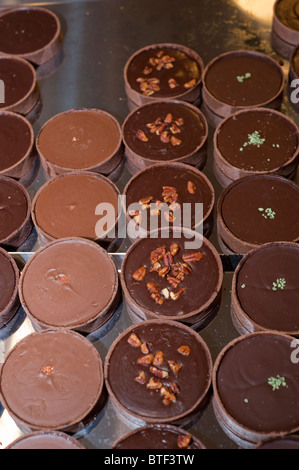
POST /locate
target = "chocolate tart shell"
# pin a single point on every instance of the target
(104, 167)
(11, 308)
(283, 38)
(45, 440)
(198, 157)
(226, 172)
(86, 326)
(44, 54)
(186, 416)
(192, 95)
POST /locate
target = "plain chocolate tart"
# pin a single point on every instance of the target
(15, 213)
(52, 381)
(80, 139)
(33, 33)
(148, 194)
(256, 141)
(45, 440)
(9, 283)
(20, 87)
(265, 290)
(69, 283)
(285, 26)
(158, 436)
(241, 79)
(286, 442)
(172, 274)
(163, 71)
(158, 373)
(255, 210)
(165, 131)
(255, 388)
(69, 205)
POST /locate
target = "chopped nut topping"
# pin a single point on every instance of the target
(168, 259)
(155, 267)
(183, 441)
(154, 384)
(145, 200)
(47, 370)
(141, 378)
(172, 83)
(191, 187)
(158, 253)
(176, 294)
(161, 373)
(174, 249)
(174, 387)
(175, 141)
(195, 256)
(185, 350)
(157, 298)
(173, 281)
(133, 213)
(190, 84)
(134, 341)
(175, 206)
(146, 347)
(158, 359)
(141, 135)
(138, 218)
(139, 274)
(152, 287)
(165, 292)
(163, 271)
(167, 393)
(146, 360)
(175, 366)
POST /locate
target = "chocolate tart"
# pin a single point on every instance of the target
(158, 436)
(145, 197)
(21, 91)
(150, 382)
(255, 210)
(45, 384)
(287, 442)
(9, 283)
(33, 33)
(241, 79)
(173, 274)
(265, 290)
(70, 283)
(15, 216)
(80, 139)
(65, 206)
(285, 26)
(46, 440)
(165, 131)
(255, 388)
(17, 140)
(255, 142)
(163, 71)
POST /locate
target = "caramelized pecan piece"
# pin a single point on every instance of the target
(175, 366)
(185, 350)
(154, 383)
(152, 288)
(141, 135)
(165, 292)
(141, 378)
(161, 373)
(163, 271)
(175, 141)
(158, 359)
(145, 200)
(195, 256)
(157, 298)
(158, 254)
(184, 441)
(174, 249)
(146, 347)
(146, 360)
(190, 84)
(134, 340)
(174, 387)
(172, 83)
(175, 294)
(167, 393)
(168, 259)
(139, 274)
(173, 281)
(191, 187)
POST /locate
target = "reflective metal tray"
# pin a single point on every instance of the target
(99, 36)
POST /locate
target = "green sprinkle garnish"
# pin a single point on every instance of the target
(254, 139)
(243, 286)
(268, 213)
(279, 284)
(261, 209)
(246, 400)
(276, 382)
(241, 78)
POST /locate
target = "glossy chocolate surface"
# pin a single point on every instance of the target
(192, 378)
(268, 288)
(261, 209)
(26, 30)
(7, 281)
(163, 64)
(287, 12)
(15, 138)
(13, 207)
(225, 79)
(190, 132)
(257, 141)
(79, 139)
(18, 80)
(46, 440)
(66, 207)
(242, 383)
(200, 283)
(68, 283)
(51, 379)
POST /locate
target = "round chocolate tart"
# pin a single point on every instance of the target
(172, 274)
(69, 206)
(256, 210)
(69, 283)
(20, 89)
(158, 436)
(46, 440)
(33, 33)
(163, 71)
(15, 213)
(285, 26)
(255, 141)
(159, 194)
(17, 140)
(255, 388)
(165, 131)
(80, 139)
(265, 290)
(158, 373)
(46, 384)
(287, 442)
(9, 283)
(241, 79)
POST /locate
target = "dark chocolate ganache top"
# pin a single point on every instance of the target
(243, 79)
(287, 11)
(26, 30)
(185, 378)
(257, 140)
(18, 79)
(268, 287)
(15, 139)
(13, 207)
(258, 383)
(7, 281)
(164, 131)
(261, 209)
(163, 72)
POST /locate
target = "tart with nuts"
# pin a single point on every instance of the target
(148, 373)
